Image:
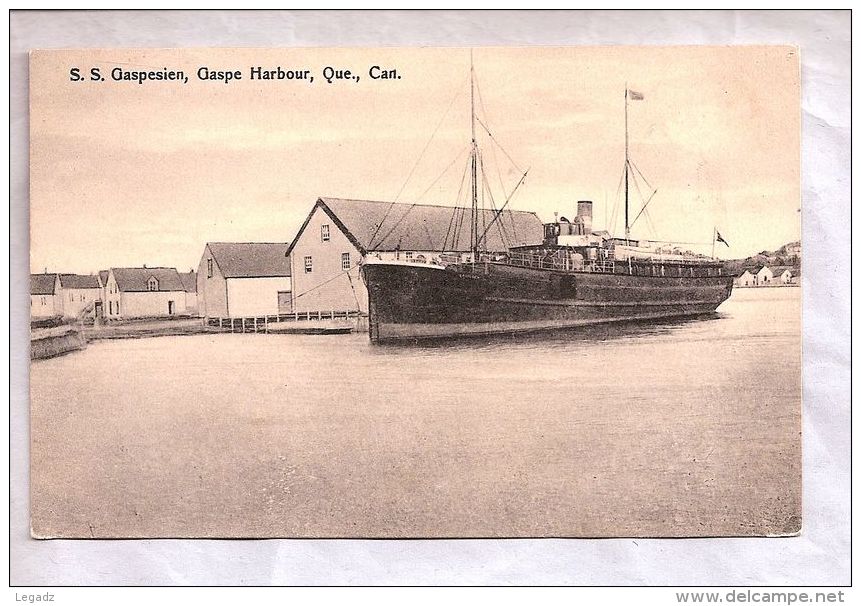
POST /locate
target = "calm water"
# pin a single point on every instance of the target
(661, 429)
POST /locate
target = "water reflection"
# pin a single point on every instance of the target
(610, 331)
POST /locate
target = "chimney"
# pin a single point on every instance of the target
(584, 211)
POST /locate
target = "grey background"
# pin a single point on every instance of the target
(819, 556)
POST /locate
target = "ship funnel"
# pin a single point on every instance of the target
(584, 213)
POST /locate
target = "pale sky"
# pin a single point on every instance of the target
(124, 174)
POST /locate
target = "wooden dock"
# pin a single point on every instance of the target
(312, 322)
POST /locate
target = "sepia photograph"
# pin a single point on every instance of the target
(490, 298)
(414, 293)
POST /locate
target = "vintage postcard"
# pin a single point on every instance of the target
(415, 292)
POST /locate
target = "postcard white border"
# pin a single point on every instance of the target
(820, 556)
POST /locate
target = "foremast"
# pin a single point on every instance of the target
(473, 230)
(627, 168)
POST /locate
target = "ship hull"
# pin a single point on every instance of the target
(411, 301)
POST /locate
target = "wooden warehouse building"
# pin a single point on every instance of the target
(244, 279)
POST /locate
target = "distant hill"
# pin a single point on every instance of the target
(788, 254)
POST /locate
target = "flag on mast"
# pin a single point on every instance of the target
(634, 95)
(719, 238)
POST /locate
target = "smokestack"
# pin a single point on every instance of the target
(584, 211)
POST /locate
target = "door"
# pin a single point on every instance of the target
(285, 302)
(170, 308)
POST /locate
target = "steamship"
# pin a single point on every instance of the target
(574, 277)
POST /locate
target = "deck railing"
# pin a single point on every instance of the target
(607, 263)
(565, 263)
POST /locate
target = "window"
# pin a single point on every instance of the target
(110, 308)
(152, 284)
(118, 308)
(409, 254)
(309, 267)
(209, 268)
(324, 232)
(345, 260)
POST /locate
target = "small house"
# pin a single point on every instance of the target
(244, 279)
(745, 279)
(79, 294)
(44, 301)
(782, 274)
(144, 292)
(764, 276)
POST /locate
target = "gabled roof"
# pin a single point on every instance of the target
(78, 281)
(384, 226)
(42, 284)
(134, 279)
(103, 276)
(779, 269)
(189, 281)
(251, 259)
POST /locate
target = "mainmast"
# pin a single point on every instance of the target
(627, 164)
(473, 236)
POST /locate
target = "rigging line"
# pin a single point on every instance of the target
(355, 296)
(395, 226)
(457, 203)
(513, 225)
(483, 213)
(412, 206)
(487, 129)
(463, 210)
(459, 232)
(642, 199)
(493, 151)
(498, 144)
(497, 165)
(499, 212)
(451, 221)
(321, 284)
(442, 174)
(651, 224)
(498, 168)
(637, 168)
(486, 184)
(644, 207)
(615, 214)
(421, 155)
(503, 234)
